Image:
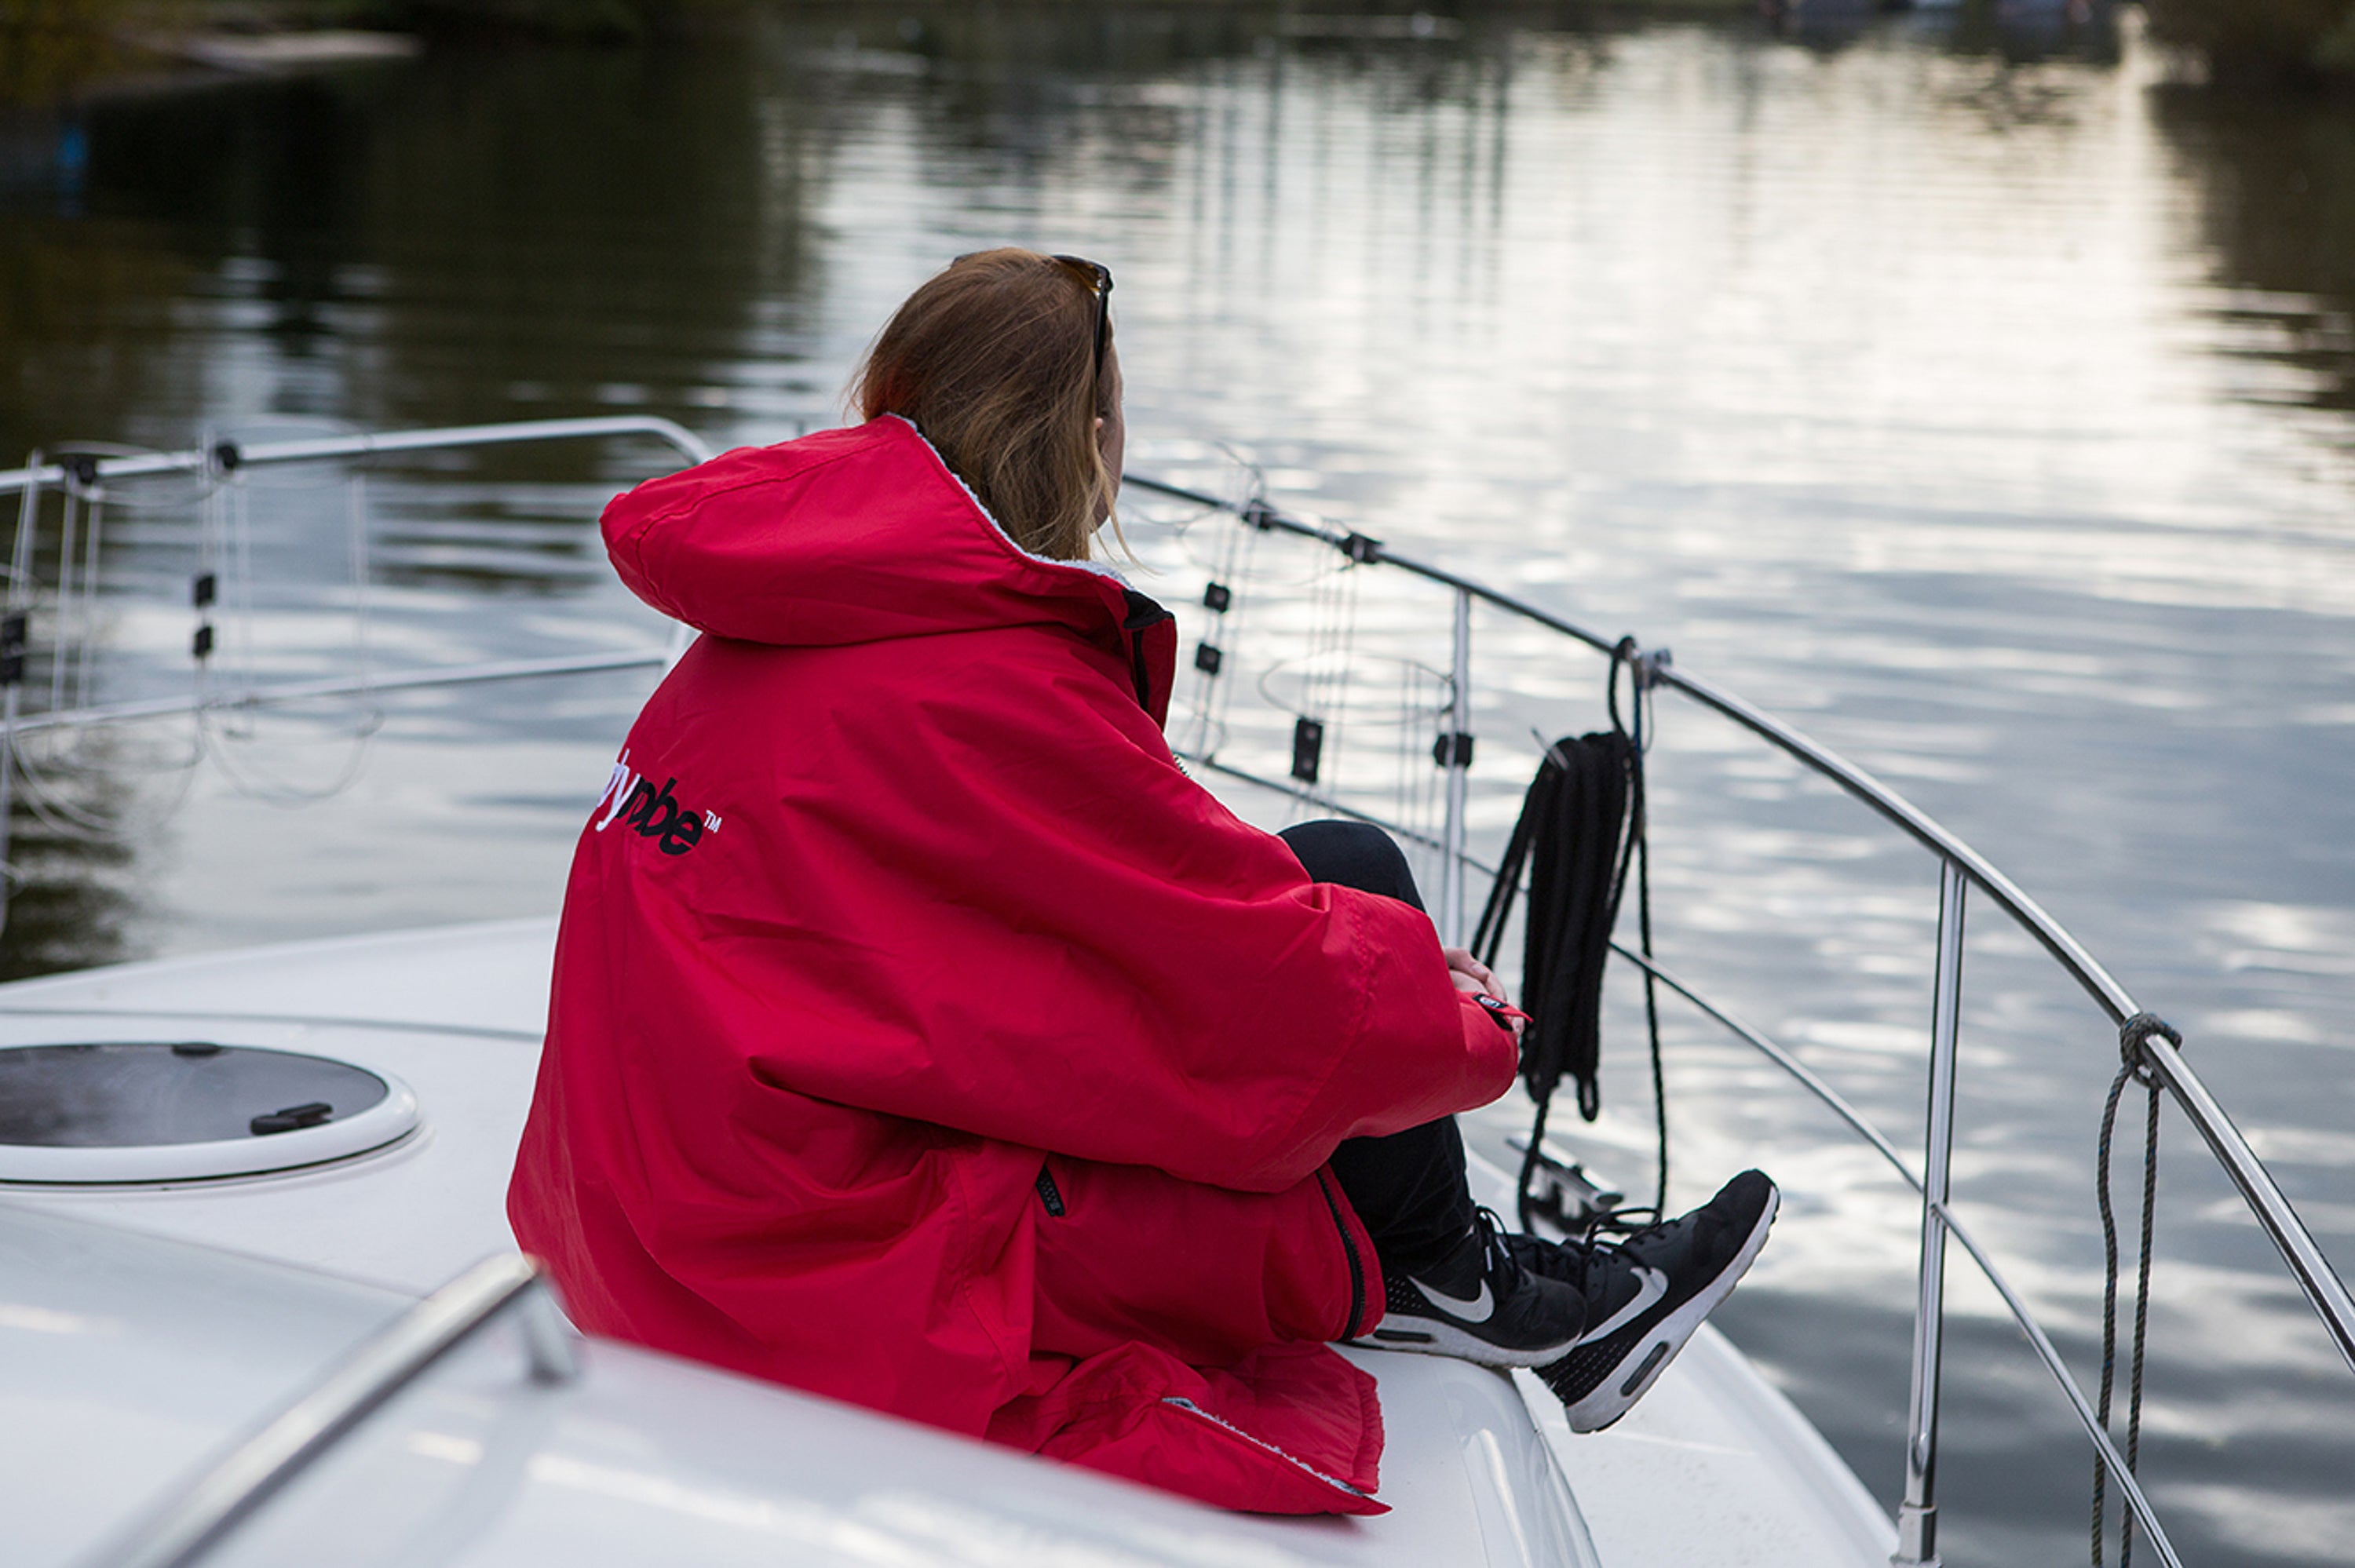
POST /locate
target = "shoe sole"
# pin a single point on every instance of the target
(1652, 1352)
(1430, 1337)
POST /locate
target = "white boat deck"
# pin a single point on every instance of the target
(1714, 1467)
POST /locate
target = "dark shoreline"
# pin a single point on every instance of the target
(56, 55)
(90, 48)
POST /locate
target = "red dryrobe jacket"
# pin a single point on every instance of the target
(922, 1036)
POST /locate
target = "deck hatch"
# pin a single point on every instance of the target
(140, 1111)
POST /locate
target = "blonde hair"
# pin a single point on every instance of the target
(993, 359)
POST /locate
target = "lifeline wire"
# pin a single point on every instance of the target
(1218, 597)
(1325, 683)
(1233, 571)
(1420, 784)
(2133, 1035)
(222, 737)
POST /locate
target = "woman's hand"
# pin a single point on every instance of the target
(1473, 976)
(1470, 974)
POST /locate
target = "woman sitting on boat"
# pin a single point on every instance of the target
(923, 1036)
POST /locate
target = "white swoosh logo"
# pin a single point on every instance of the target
(1474, 1310)
(1650, 1285)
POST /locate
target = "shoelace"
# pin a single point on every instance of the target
(1497, 1258)
(1601, 1237)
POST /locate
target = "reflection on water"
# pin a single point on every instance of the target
(1946, 382)
(497, 234)
(2277, 191)
(69, 898)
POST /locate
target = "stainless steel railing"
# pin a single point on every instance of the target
(1961, 869)
(187, 1525)
(219, 456)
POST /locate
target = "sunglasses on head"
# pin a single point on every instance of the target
(1098, 277)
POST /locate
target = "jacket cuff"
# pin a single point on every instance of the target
(1494, 1056)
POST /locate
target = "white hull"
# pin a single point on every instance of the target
(647, 1459)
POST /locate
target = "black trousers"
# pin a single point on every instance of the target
(1409, 1188)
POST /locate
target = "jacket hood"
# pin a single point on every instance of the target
(848, 536)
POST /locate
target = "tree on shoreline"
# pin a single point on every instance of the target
(2264, 42)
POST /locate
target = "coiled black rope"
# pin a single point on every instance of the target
(2133, 1037)
(1580, 833)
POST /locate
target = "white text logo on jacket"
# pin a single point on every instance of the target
(650, 812)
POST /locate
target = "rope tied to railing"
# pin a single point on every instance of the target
(2135, 1036)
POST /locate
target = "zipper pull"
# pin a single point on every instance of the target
(1502, 1013)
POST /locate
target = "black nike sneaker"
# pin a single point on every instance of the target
(1646, 1293)
(1478, 1304)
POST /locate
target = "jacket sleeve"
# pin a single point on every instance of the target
(1001, 908)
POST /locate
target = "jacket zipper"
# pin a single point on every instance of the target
(1177, 1402)
(1048, 1193)
(1349, 1247)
